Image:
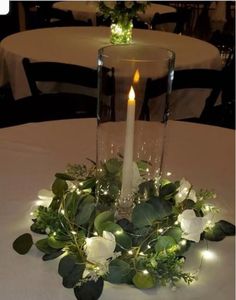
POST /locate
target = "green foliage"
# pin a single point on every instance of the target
(70, 270)
(101, 219)
(119, 272)
(90, 290)
(144, 215)
(23, 243)
(122, 9)
(144, 281)
(164, 243)
(219, 231)
(149, 248)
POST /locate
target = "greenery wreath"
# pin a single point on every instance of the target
(146, 251)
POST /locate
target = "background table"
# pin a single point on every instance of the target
(31, 154)
(80, 46)
(85, 10)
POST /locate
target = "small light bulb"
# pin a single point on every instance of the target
(118, 232)
(160, 230)
(54, 233)
(81, 184)
(208, 255)
(141, 254)
(73, 232)
(148, 246)
(130, 252)
(95, 233)
(62, 211)
(168, 174)
(145, 272)
(183, 242)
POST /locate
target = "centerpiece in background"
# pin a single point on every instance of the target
(121, 14)
(129, 148)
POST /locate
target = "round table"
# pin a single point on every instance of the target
(31, 154)
(79, 45)
(87, 10)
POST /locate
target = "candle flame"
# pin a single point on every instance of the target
(131, 94)
(136, 76)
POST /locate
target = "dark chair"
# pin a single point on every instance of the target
(52, 106)
(180, 18)
(185, 79)
(140, 24)
(101, 20)
(53, 17)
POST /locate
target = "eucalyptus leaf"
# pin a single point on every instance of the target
(74, 276)
(123, 240)
(51, 256)
(23, 243)
(88, 183)
(85, 210)
(126, 225)
(147, 189)
(144, 215)
(101, 219)
(164, 243)
(119, 272)
(144, 280)
(66, 265)
(71, 270)
(90, 290)
(175, 233)
(43, 246)
(162, 207)
(113, 165)
(219, 231)
(215, 233)
(228, 228)
(64, 176)
(71, 203)
(59, 187)
(55, 243)
(168, 190)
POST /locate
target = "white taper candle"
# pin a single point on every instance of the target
(127, 171)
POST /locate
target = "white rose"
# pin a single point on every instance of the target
(191, 225)
(98, 249)
(183, 192)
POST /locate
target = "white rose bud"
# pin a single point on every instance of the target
(99, 249)
(192, 225)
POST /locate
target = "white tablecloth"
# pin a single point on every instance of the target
(31, 154)
(85, 10)
(80, 46)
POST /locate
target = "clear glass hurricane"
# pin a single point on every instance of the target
(131, 130)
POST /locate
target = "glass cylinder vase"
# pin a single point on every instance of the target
(134, 85)
(121, 32)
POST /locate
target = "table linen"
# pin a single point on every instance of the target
(80, 46)
(31, 154)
